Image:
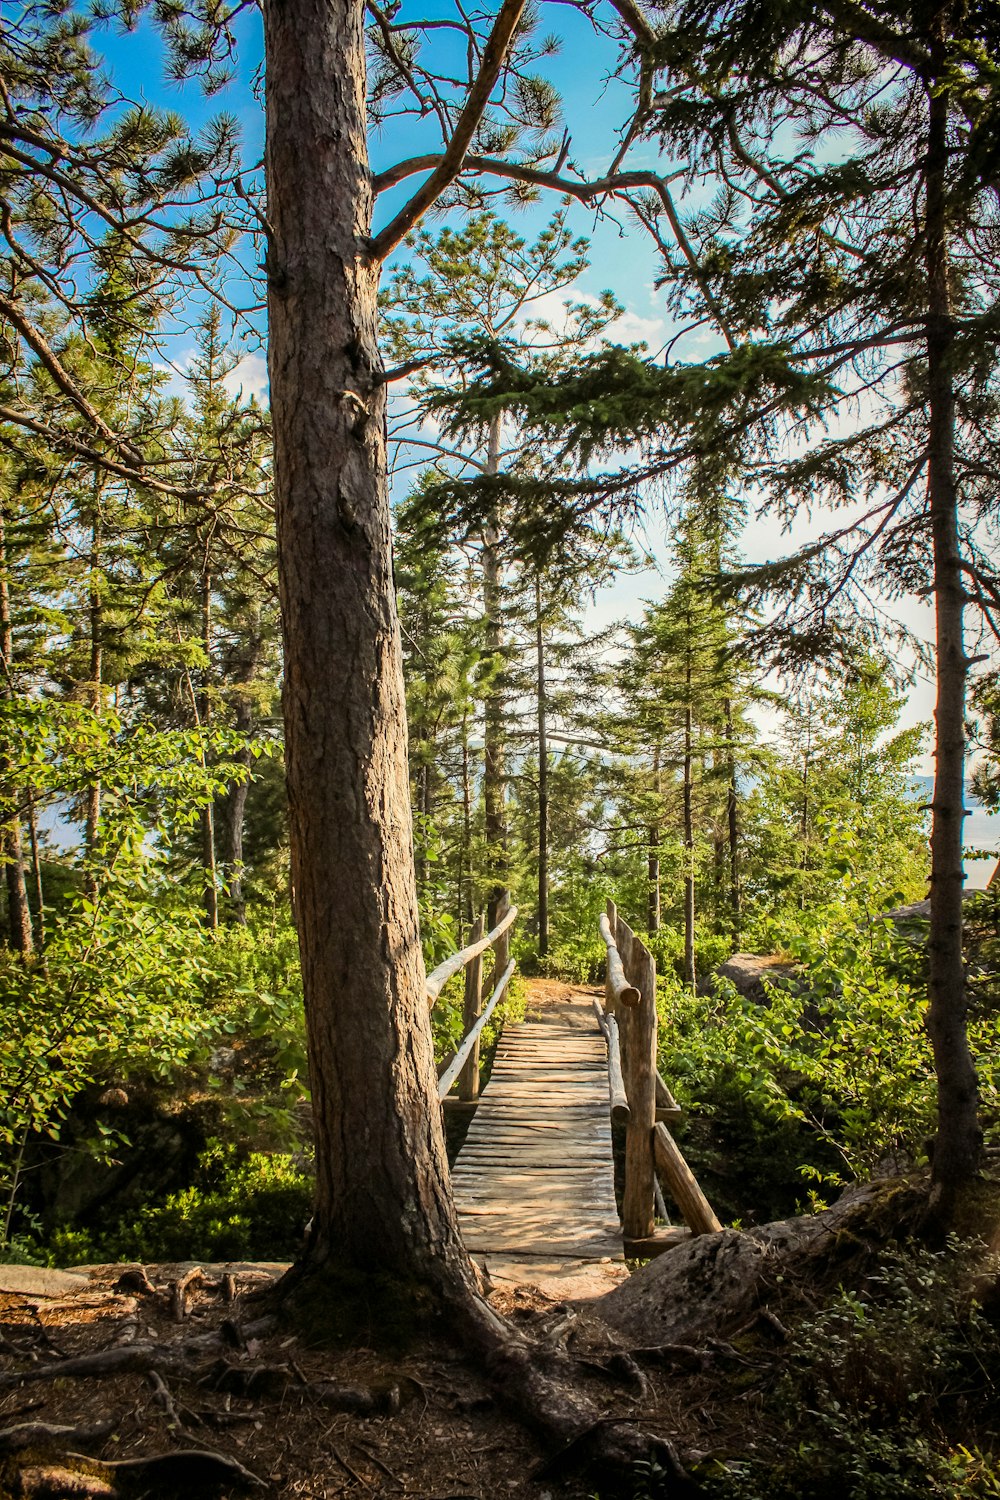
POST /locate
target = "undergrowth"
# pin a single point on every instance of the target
(238, 1208)
(889, 1392)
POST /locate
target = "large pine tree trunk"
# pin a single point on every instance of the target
(956, 1148)
(543, 777)
(383, 1197)
(494, 736)
(11, 845)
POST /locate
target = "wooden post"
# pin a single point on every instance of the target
(698, 1212)
(609, 999)
(468, 1079)
(640, 1076)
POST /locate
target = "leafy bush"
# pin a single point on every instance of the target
(840, 1051)
(250, 1209)
(882, 1391)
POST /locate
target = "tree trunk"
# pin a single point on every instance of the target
(208, 859)
(11, 848)
(732, 819)
(543, 779)
(383, 1194)
(92, 811)
(494, 769)
(956, 1147)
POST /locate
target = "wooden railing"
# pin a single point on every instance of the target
(464, 1064)
(640, 1099)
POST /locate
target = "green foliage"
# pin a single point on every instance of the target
(251, 1207)
(878, 1391)
(832, 810)
(838, 1056)
(129, 973)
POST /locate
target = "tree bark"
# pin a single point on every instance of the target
(957, 1144)
(208, 859)
(543, 778)
(383, 1195)
(494, 770)
(11, 847)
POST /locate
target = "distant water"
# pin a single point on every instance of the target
(982, 833)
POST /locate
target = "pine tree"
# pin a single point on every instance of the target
(462, 286)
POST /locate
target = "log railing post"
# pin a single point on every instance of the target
(640, 1084)
(498, 909)
(609, 999)
(468, 1079)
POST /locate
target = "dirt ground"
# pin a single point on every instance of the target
(269, 1401)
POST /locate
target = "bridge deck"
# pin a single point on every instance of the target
(534, 1177)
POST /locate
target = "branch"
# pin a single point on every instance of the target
(58, 439)
(584, 192)
(635, 21)
(453, 159)
(63, 379)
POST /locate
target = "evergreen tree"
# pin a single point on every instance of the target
(484, 282)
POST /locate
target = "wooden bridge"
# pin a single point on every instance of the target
(535, 1176)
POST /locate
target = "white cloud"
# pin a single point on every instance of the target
(633, 328)
(249, 378)
(629, 328)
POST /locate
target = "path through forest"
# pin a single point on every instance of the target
(534, 1179)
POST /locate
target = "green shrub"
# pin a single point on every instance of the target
(887, 1394)
(253, 1208)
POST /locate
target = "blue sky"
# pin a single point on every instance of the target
(622, 258)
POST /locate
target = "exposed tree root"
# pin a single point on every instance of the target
(708, 1286)
(187, 1471)
(542, 1388)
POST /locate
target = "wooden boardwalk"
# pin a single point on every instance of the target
(534, 1178)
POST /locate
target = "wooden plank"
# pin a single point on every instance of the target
(656, 1243)
(535, 1174)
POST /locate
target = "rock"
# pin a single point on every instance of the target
(906, 916)
(748, 971)
(40, 1281)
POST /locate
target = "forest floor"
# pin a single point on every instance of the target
(196, 1372)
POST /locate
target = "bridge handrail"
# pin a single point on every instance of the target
(632, 1071)
(438, 978)
(472, 1036)
(620, 1112)
(623, 992)
(464, 1064)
